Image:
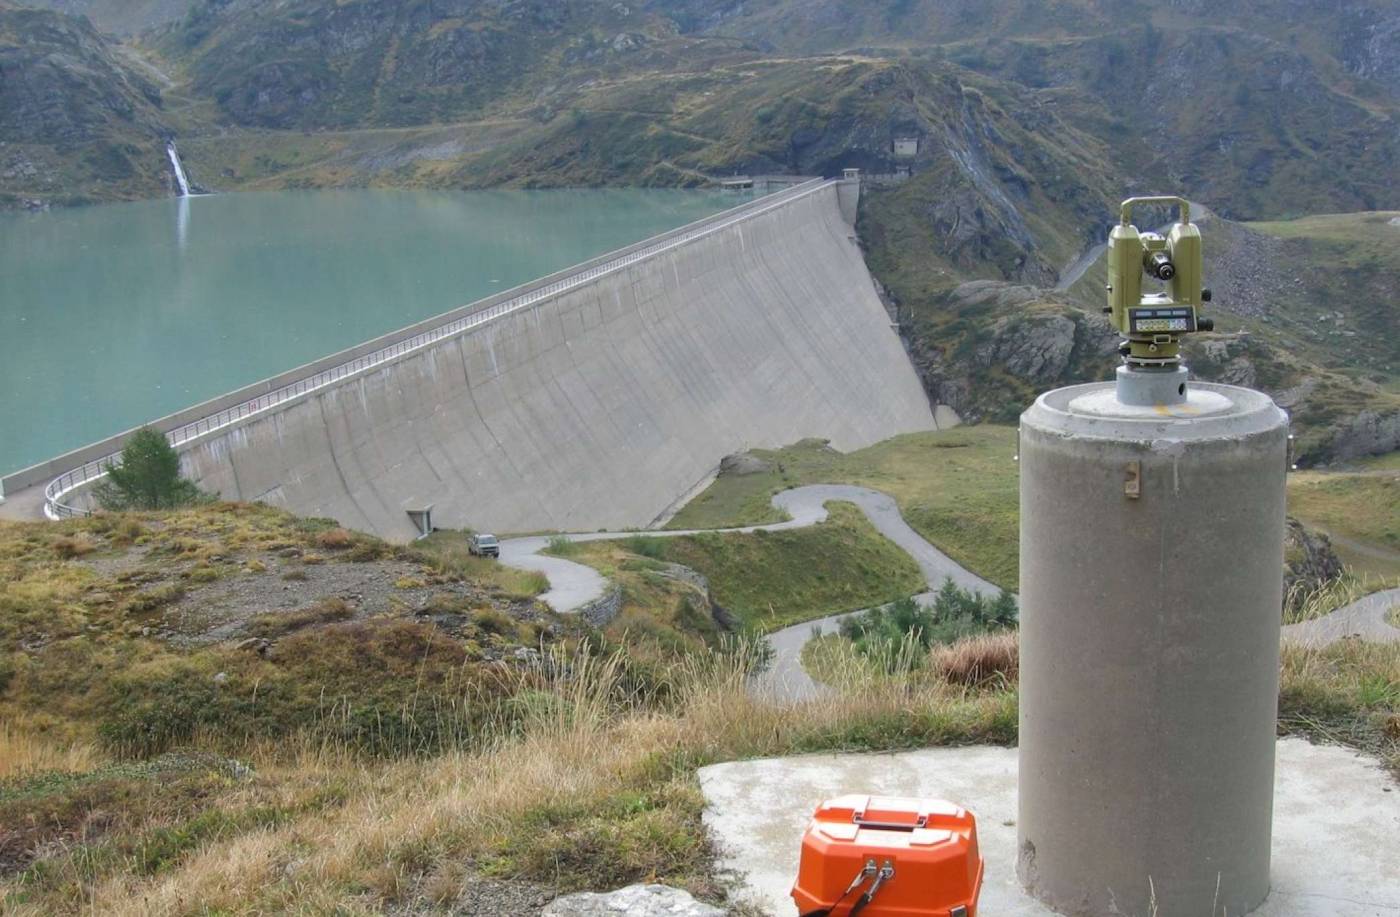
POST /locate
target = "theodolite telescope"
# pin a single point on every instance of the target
(1152, 323)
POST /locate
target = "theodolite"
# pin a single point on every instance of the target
(1152, 323)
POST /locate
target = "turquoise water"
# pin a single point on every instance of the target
(115, 315)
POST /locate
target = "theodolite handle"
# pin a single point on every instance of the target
(1183, 207)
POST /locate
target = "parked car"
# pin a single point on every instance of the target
(483, 544)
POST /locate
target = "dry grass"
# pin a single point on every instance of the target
(979, 661)
(986, 662)
(586, 779)
(1304, 602)
(336, 539)
(589, 783)
(71, 546)
(1347, 693)
(26, 751)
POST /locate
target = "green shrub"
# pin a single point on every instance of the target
(955, 614)
(647, 546)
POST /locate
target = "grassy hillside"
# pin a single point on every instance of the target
(956, 488)
(312, 64)
(762, 581)
(142, 632)
(1361, 511)
(120, 17)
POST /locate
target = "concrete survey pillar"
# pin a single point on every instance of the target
(1151, 589)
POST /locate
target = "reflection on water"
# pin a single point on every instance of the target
(111, 319)
(182, 222)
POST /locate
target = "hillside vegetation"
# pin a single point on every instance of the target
(957, 488)
(412, 755)
(960, 489)
(759, 581)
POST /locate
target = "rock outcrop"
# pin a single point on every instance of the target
(1309, 561)
(1368, 433)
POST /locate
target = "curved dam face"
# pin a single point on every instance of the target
(600, 405)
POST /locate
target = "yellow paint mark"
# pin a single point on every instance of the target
(1176, 410)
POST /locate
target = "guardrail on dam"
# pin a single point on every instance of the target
(592, 397)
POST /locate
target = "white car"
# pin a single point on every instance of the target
(483, 544)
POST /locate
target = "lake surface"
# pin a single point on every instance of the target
(115, 315)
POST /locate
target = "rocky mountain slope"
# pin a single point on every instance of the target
(1304, 309)
(76, 122)
(120, 17)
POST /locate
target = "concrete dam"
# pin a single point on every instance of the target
(595, 397)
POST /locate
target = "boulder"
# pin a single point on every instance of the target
(632, 901)
(742, 463)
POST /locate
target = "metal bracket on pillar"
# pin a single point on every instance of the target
(1132, 480)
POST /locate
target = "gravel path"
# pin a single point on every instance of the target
(573, 585)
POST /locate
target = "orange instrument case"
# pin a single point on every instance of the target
(919, 856)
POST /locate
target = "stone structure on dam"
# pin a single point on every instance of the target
(593, 398)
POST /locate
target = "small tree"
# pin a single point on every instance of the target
(147, 478)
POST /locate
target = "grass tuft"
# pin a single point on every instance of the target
(562, 546)
(977, 662)
(1306, 601)
(272, 625)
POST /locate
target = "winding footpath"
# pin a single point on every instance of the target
(573, 585)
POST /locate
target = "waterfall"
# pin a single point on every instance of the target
(180, 178)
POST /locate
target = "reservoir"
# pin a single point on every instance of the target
(114, 315)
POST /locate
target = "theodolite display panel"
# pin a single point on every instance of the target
(1174, 319)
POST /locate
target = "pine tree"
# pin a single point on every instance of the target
(1004, 611)
(148, 477)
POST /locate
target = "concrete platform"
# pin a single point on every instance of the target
(1336, 822)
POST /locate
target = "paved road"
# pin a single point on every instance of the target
(1070, 273)
(1364, 618)
(573, 585)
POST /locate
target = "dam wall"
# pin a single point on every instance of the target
(601, 401)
